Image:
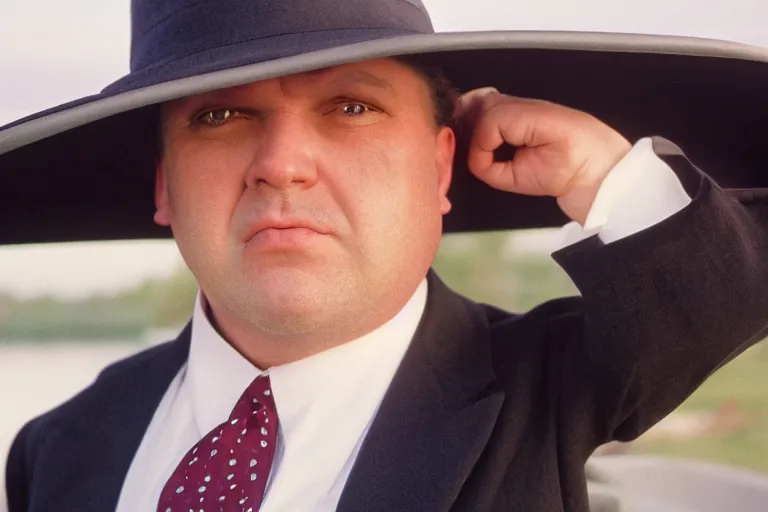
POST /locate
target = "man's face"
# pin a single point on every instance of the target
(311, 203)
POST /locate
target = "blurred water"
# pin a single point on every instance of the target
(36, 377)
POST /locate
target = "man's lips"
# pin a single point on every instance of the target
(265, 225)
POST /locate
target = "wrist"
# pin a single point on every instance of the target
(577, 202)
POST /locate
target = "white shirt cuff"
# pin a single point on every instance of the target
(640, 191)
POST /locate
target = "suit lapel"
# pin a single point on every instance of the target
(97, 445)
(435, 418)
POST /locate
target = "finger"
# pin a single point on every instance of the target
(511, 122)
(469, 103)
(485, 140)
(519, 122)
(516, 175)
(500, 175)
(472, 107)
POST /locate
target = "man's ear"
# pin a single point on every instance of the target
(162, 210)
(444, 155)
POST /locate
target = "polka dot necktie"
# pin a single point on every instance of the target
(227, 470)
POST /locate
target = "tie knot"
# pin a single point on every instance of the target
(257, 395)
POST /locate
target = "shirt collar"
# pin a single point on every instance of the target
(218, 374)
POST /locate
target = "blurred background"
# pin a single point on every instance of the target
(68, 310)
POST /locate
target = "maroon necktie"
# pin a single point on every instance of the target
(227, 470)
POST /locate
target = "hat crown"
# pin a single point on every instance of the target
(164, 30)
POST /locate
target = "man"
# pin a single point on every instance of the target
(326, 368)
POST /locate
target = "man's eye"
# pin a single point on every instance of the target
(355, 109)
(215, 117)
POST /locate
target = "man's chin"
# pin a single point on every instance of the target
(289, 293)
(286, 280)
(289, 316)
(291, 298)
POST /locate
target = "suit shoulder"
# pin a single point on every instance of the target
(137, 362)
(536, 320)
(143, 374)
(530, 339)
(166, 357)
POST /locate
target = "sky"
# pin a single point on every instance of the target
(52, 52)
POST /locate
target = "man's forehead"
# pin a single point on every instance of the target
(370, 72)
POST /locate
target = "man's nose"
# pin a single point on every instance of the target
(284, 154)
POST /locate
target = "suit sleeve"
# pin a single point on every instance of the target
(640, 191)
(662, 309)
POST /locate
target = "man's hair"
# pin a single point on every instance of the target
(444, 94)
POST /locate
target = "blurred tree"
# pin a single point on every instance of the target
(172, 301)
(492, 268)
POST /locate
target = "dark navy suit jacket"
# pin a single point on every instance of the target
(489, 411)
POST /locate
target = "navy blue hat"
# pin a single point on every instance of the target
(85, 170)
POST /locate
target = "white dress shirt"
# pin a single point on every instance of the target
(326, 402)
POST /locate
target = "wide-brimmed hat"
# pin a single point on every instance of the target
(85, 170)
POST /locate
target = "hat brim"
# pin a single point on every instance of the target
(84, 170)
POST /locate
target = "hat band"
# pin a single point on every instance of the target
(212, 24)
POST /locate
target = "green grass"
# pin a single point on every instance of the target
(745, 379)
(743, 382)
(746, 449)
